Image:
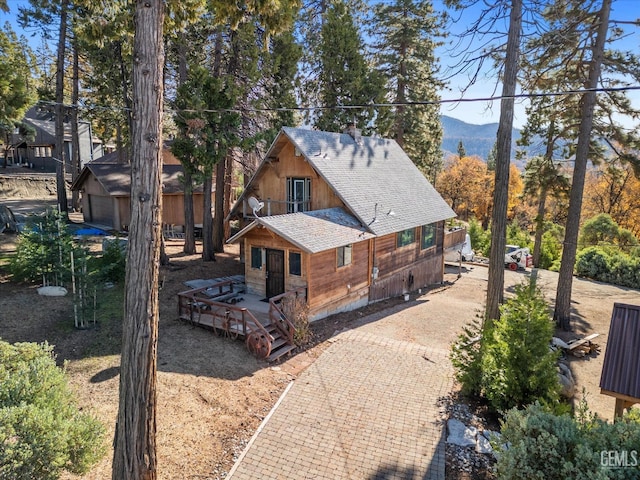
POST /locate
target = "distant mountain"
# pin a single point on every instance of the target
(477, 139)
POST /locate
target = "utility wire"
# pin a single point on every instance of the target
(375, 105)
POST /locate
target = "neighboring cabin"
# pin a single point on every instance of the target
(105, 186)
(349, 219)
(38, 153)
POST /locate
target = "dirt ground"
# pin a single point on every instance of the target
(212, 394)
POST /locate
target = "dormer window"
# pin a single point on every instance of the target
(298, 194)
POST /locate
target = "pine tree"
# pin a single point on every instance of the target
(346, 78)
(46, 14)
(586, 57)
(17, 91)
(506, 57)
(543, 177)
(405, 36)
(461, 150)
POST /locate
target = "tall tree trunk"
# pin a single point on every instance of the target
(124, 84)
(228, 180)
(5, 150)
(218, 217)
(537, 243)
(495, 287)
(221, 167)
(208, 252)
(60, 155)
(562, 312)
(189, 223)
(542, 201)
(208, 224)
(134, 455)
(75, 135)
(401, 90)
(122, 153)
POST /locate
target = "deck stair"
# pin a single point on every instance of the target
(214, 306)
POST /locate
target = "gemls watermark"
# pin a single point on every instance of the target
(619, 459)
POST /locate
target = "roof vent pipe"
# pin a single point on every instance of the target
(354, 132)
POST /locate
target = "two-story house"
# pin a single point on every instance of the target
(349, 218)
(38, 152)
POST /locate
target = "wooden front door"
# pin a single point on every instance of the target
(275, 272)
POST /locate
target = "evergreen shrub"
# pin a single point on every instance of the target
(42, 431)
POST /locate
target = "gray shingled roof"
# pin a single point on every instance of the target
(375, 179)
(115, 178)
(44, 119)
(314, 231)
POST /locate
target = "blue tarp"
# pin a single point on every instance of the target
(90, 231)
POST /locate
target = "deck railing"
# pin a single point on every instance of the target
(453, 238)
(234, 321)
(277, 207)
(277, 316)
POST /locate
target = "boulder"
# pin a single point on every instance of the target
(460, 434)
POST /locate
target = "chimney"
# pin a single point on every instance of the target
(354, 132)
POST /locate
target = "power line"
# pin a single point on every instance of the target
(374, 105)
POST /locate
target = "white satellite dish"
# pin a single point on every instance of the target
(255, 205)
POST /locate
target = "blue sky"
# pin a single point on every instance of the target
(483, 112)
(471, 112)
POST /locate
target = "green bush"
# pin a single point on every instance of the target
(42, 432)
(517, 366)
(480, 239)
(602, 230)
(592, 262)
(536, 444)
(551, 247)
(512, 364)
(43, 251)
(518, 236)
(466, 358)
(111, 265)
(607, 264)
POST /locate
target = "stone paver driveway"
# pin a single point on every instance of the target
(368, 408)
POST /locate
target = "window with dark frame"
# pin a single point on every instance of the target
(256, 258)
(406, 237)
(344, 255)
(428, 236)
(295, 263)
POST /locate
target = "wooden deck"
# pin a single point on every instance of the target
(223, 307)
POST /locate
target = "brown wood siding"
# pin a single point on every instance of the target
(123, 218)
(92, 186)
(389, 259)
(425, 272)
(328, 283)
(272, 184)
(114, 212)
(100, 210)
(173, 208)
(255, 279)
(407, 268)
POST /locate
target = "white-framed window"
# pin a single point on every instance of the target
(344, 255)
(298, 194)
